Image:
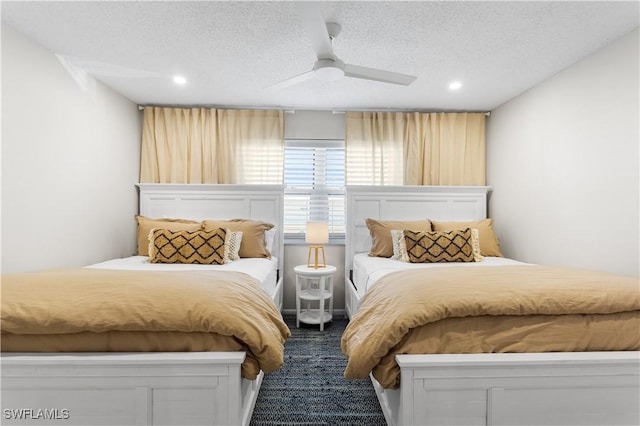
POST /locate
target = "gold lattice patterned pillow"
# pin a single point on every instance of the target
(438, 246)
(166, 246)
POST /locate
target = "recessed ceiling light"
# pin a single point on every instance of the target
(455, 85)
(180, 80)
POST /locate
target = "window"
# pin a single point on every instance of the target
(314, 186)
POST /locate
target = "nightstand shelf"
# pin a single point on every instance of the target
(312, 316)
(315, 295)
(314, 290)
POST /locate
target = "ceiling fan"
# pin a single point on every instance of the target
(328, 66)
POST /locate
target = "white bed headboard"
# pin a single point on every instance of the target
(408, 202)
(208, 201)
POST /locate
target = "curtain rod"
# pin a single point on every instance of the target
(293, 110)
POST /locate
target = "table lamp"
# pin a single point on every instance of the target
(317, 234)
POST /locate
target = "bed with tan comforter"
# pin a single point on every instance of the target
(524, 308)
(93, 310)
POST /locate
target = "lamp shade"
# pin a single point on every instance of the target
(317, 233)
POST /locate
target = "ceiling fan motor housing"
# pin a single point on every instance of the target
(329, 69)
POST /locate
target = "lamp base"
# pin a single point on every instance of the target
(316, 264)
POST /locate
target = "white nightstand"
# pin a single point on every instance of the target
(314, 287)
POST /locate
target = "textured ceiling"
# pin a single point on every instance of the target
(231, 50)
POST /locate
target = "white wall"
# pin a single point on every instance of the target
(563, 160)
(309, 124)
(70, 159)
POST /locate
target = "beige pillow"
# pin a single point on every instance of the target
(380, 230)
(146, 224)
(201, 247)
(489, 245)
(253, 235)
(439, 246)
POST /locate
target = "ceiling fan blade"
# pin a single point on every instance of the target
(291, 81)
(378, 75)
(313, 22)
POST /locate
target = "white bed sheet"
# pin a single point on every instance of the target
(264, 270)
(367, 270)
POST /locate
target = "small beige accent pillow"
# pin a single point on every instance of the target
(489, 244)
(399, 246)
(439, 246)
(380, 230)
(475, 244)
(200, 247)
(253, 235)
(232, 246)
(146, 224)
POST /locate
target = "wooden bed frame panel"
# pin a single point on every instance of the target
(577, 388)
(150, 388)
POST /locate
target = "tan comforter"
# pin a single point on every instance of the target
(490, 309)
(87, 309)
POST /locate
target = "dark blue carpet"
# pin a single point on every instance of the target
(310, 389)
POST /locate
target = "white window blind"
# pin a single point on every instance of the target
(314, 186)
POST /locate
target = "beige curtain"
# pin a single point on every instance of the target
(374, 148)
(445, 149)
(205, 145)
(415, 148)
(257, 144)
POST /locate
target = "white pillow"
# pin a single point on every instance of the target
(270, 238)
(232, 245)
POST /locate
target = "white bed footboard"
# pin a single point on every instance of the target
(568, 388)
(202, 388)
